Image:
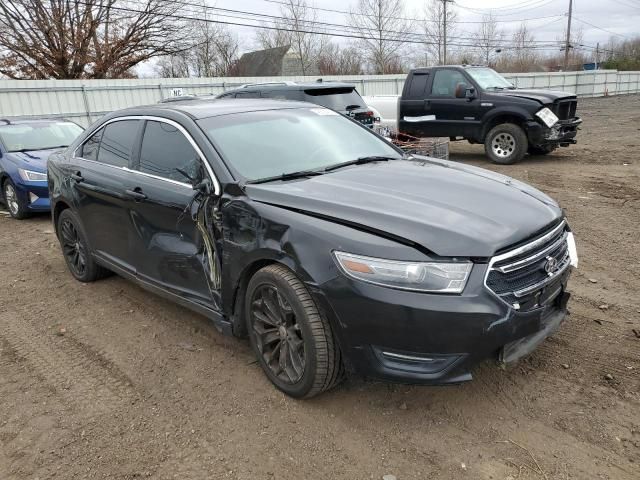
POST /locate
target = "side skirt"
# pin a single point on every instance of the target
(219, 321)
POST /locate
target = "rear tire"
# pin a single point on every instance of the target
(541, 150)
(292, 340)
(17, 209)
(506, 144)
(75, 249)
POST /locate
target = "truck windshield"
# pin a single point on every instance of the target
(271, 143)
(488, 78)
(38, 135)
(335, 98)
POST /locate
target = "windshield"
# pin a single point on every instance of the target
(38, 135)
(271, 143)
(488, 78)
(335, 98)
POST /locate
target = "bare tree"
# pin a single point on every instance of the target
(215, 47)
(440, 28)
(173, 66)
(88, 39)
(381, 25)
(297, 20)
(340, 61)
(522, 56)
(488, 37)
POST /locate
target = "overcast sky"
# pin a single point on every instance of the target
(599, 19)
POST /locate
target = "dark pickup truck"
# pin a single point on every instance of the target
(478, 104)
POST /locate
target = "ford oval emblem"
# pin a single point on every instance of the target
(551, 266)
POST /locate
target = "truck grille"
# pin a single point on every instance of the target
(526, 276)
(565, 109)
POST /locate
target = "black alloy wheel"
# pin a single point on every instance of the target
(75, 248)
(292, 340)
(277, 334)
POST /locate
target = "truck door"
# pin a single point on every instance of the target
(414, 108)
(454, 117)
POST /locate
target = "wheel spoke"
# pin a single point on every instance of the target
(296, 361)
(283, 360)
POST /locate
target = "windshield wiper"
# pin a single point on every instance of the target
(352, 107)
(360, 161)
(288, 176)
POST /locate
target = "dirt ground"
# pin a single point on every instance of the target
(108, 381)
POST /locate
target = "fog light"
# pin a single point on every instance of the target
(33, 197)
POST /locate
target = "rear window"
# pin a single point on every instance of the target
(339, 99)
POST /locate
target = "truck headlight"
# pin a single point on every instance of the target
(440, 277)
(30, 176)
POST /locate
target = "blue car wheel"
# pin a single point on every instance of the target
(16, 208)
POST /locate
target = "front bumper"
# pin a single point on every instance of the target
(562, 133)
(35, 195)
(420, 338)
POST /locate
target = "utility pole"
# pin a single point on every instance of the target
(444, 29)
(567, 43)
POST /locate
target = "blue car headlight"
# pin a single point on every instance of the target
(31, 176)
(437, 277)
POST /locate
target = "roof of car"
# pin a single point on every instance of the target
(292, 86)
(206, 108)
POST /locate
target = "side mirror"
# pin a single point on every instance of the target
(465, 91)
(461, 90)
(204, 186)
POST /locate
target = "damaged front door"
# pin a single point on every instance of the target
(175, 250)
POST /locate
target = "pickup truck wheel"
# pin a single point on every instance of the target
(506, 144)
(291, 338)
(541, 150)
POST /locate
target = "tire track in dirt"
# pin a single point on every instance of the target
(84, 377)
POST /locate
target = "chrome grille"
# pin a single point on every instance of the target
(520, 276)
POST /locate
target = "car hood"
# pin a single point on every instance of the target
(33, 160)
(450, 209)
(543, 96)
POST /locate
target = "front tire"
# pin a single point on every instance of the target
(17, 209)
(292, 340)
(75, 249)
(506, 144)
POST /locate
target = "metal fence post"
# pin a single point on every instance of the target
(86, 104)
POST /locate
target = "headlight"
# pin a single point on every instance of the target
(29, 176)
(547, 116)
(420, 276)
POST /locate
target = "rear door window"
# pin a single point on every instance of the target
(166, 153)
(418, 86)
(118, 140)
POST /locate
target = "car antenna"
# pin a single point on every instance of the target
(6, 120)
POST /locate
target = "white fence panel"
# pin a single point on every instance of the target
(84, 101)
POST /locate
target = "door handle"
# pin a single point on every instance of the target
(77, 177)
(136, 194)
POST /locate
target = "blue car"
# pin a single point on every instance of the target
(25, 146)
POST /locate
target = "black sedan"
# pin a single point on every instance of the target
(331, 249)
